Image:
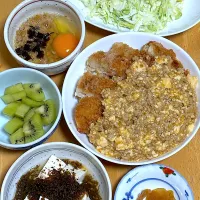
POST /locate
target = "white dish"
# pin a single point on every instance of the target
(39, 155)
(136, 40)
(25, 75)
(29, 8)
(191, 16)
(152, 177)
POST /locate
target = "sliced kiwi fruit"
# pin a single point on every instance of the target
(17, 137)
(9, 98)
(10, 109)
(34, 91)
(47, 112)
(29, 114)
(14, 89)
(22, 110)
(33, 128)
(31, 102)
(13, 125)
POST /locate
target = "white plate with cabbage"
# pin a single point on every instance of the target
(161, 17)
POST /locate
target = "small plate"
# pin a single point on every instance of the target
(190, 17)
(151, 177)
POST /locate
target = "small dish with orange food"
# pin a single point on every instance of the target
(153, 182)
(46, 35)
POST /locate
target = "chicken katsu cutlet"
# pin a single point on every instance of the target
(90, 85)
(156, 49)
(87, 111)
(113, 63)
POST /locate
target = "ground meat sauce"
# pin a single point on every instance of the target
(58, 185)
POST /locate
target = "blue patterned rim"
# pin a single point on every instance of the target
(128, 194)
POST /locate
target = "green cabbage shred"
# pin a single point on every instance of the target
(136, 15)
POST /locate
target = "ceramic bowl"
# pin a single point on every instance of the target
(29, 8)
(25, 75)
(39, 155)
(136, 40)
(152, 177)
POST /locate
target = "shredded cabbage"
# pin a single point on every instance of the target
(136, 15)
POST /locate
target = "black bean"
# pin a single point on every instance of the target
(31, 34)
(40, 54)
(27, 47)
(36, 48)
(40, 35)
(19, 51)
(26, 56)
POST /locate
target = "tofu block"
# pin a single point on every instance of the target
(57, 164)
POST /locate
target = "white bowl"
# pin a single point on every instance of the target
(153, 176)
(25, 75)
(136, 40)
(39, 155)
(29, 8)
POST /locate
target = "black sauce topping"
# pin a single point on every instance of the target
(36, 43)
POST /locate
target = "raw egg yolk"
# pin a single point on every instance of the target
(64, 44)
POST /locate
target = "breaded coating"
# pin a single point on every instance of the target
(90, 85)
(157, 49)
(113, 63)
(87, 111)
(145, 57)
(97, 64)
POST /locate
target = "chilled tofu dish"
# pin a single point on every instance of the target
(58, 179)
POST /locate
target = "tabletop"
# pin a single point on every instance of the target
(186, 161)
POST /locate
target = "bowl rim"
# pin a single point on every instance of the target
(54, 64)
(55, 124)
(94, 151)
(66, 144)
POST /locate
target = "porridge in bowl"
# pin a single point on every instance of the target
(46, 38)
(150, 108)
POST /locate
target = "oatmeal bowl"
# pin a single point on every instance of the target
(133, 98)
(45, 35)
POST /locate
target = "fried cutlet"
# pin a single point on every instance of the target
(97, 64)
(113, 63)
(87, 111)
(156, 49)
(90, 85)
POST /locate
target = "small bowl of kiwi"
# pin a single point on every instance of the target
(30, 108)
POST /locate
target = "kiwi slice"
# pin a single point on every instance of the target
(9, 98)
(14, 89)
(34, 91)
(33, 128)
(22, 110)
(47, 112)
(17, 137)
(31, 102)
(13, 125)
(11, 109)
(29, 114)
